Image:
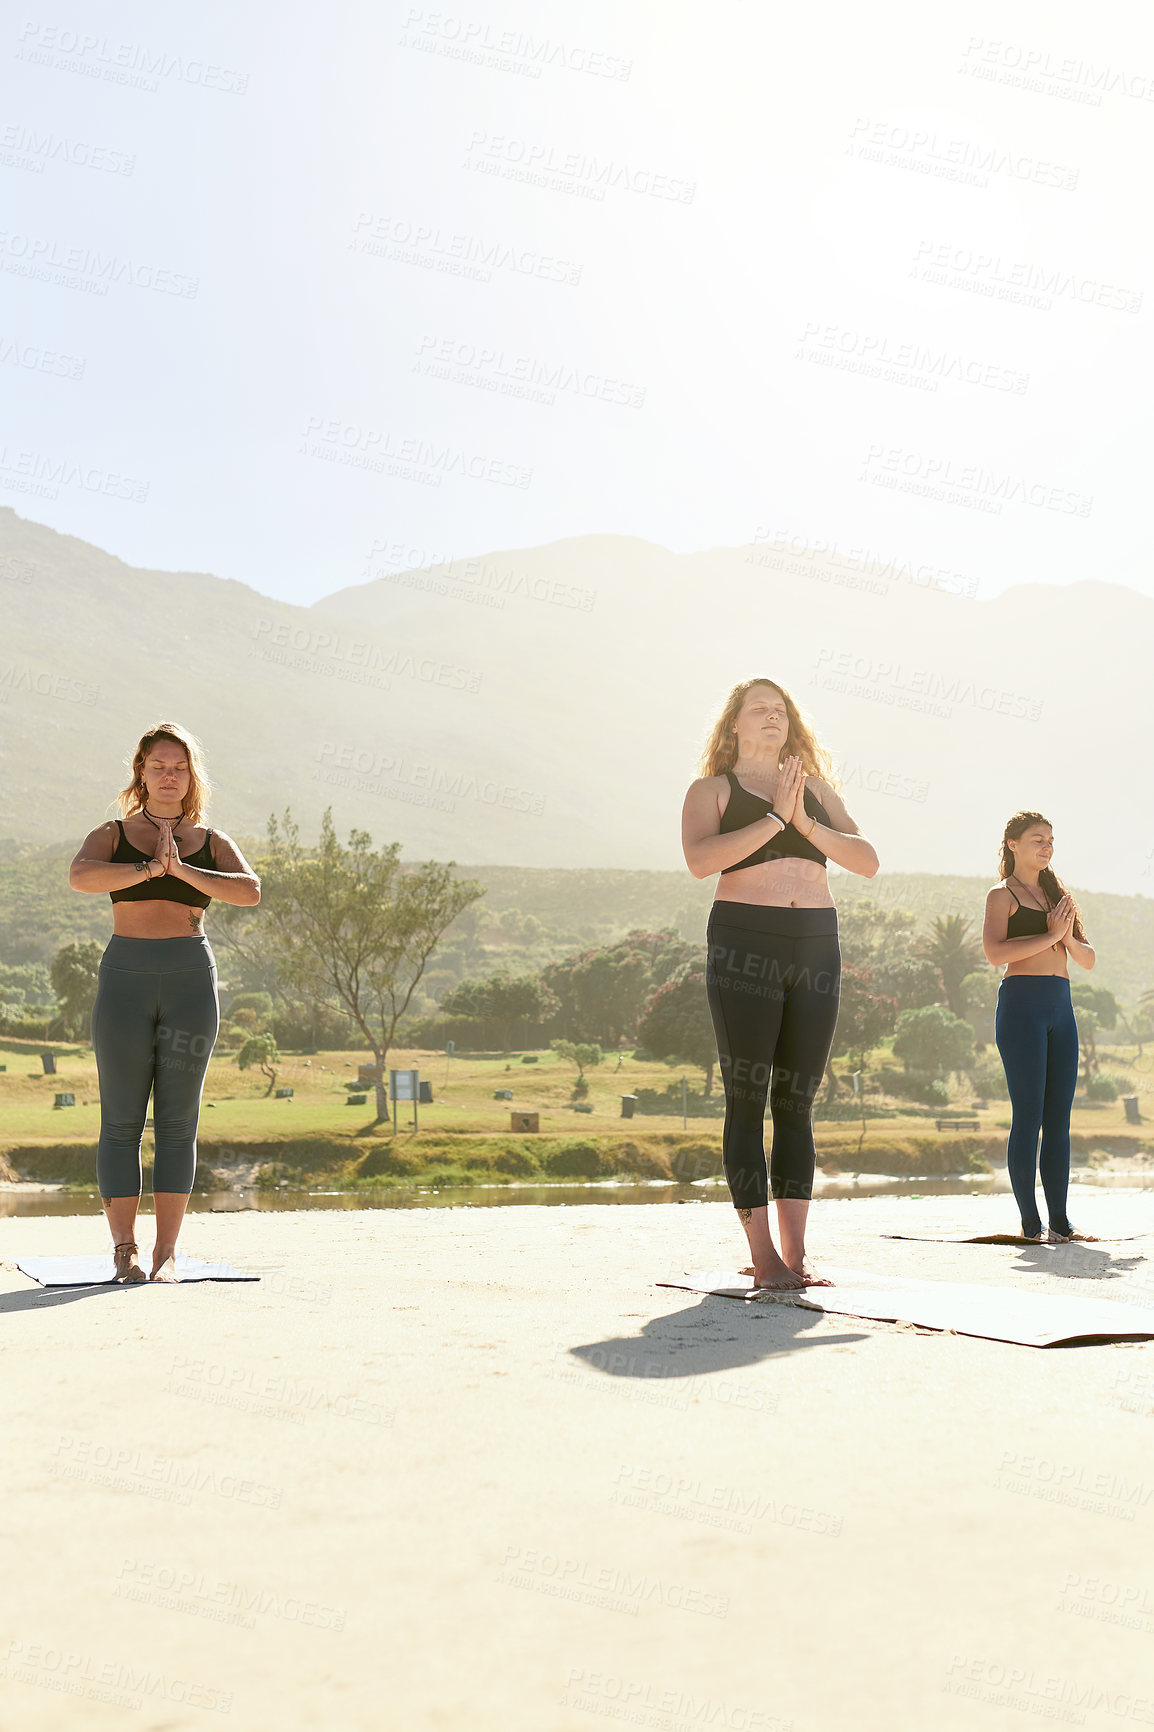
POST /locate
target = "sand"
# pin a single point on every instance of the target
(471, 1469)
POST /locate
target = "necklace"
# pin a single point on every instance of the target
(175, 822)
(1041, 910)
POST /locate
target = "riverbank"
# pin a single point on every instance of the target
(380, 1160)
(477, 1466)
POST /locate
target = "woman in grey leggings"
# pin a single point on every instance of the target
(155, 1019)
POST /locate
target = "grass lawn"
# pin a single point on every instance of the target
(466, 1130)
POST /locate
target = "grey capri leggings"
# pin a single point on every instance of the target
(154, 1025)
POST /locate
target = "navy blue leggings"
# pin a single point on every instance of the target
(154, 1025)
(1037, 1038)
(773, 980)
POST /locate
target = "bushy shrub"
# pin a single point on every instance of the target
(914, 1086)
(321, 1029)
(989, 1082)
(519, 1163)
(396, 1163)
(574, 1161)
(1102, 1087)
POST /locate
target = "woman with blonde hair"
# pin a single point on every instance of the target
(155, 1019)
(766, 816)
(1034, 1027)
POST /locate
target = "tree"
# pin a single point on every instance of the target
(508, 1002)
(954, 952)
(1095, 1007)
(934, 1039)
(979, 994)
(357, 927)
(75, 975)
(260, 1049)
(603, 991)
(676, 1022)
(256, 1005)
(580, 1053)
(864, 1017)
(884, 942)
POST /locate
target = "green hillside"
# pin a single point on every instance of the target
(581, 906)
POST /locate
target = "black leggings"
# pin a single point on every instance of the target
(773, 978)
(154, 1025)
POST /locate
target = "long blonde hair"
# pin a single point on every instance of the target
(801, 741)
(195, 803)
(1048, 881)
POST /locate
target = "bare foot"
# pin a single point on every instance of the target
(810, 1276)
(164, 1264)
(777, 1276)
(127, 1267)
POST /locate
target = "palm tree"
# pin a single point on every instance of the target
(954, 952)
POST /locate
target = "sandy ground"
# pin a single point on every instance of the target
(471, 1469)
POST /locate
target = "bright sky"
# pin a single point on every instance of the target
(285, 283)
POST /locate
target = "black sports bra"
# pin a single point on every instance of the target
(1025, 922)
(745, 808)
(162, 888)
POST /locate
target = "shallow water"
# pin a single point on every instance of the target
(22, 1200)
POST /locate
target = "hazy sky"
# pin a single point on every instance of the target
(284, 285)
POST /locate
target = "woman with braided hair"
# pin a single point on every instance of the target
(1032, 924)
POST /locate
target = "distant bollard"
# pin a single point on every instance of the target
(48, 1060)
(628, 1104)
(1130, 1102)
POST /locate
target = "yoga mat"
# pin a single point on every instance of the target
(1013, 1239)
(997, 1313)
(100, 1271)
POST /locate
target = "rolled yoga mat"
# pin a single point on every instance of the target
(100, 1271)
(996, 1313)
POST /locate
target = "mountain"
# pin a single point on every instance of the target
(545, 707)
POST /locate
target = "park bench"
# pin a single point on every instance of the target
(962, 1124)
